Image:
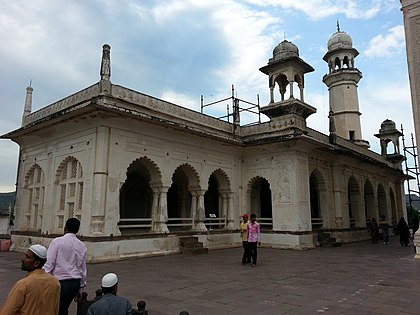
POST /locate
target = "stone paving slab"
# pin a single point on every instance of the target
(359, 278)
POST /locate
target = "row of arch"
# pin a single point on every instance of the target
(187, 203)
(362, 204)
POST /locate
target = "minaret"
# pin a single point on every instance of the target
(28, 103)
(105, 83)
(342, 82)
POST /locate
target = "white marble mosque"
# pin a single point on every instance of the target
(140, 172)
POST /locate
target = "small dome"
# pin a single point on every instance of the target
(340, 40)
(285, 50)
(387, 125)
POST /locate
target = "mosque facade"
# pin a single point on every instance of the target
(140, 173)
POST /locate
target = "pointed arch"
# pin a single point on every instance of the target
(70, 167)
(383, 209)
(369, 199)
(217, 196)
(184, 179)
(69, 184)
(260, 200)
(33, 203)
(145, 164)
(318, 199)
(353, 197)
(136, 194)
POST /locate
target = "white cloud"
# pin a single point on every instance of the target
(320, 9)
(387, 45)
(181, 99)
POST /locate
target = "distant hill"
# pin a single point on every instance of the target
(7, 199)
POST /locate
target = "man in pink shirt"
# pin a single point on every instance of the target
(253, 237)
(66, 260)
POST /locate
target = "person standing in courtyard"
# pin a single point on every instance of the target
(36, 294)
(110, 303)
(66, 260)
(383, 223)
(374, 231)
(404, 232)
(246, 258)
(253, 238)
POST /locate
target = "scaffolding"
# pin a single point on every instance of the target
(411, 169)
(253, 108)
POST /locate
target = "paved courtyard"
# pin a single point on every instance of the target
(359, 278)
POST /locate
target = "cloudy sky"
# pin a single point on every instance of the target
(178, 50)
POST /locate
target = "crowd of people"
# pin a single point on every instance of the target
(402, 229)
(57, 276)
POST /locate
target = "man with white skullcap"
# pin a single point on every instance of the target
(110, 303)
(39, 292)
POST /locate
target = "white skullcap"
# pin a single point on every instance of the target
(109, 280)
(39, 250)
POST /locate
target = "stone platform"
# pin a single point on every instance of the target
(358, 278)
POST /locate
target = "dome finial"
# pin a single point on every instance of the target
(338, 26)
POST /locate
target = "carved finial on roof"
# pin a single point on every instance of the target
(28, 102)
(338, 26)
(106, 62)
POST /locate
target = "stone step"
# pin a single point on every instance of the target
(188, 240)
(193, 245)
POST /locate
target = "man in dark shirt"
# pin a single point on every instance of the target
(110, 303)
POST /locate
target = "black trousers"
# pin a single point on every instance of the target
(252, 247)
(246, 257)
(69, 290)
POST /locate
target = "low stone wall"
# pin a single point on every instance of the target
(117, 248)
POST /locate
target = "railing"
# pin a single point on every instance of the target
(215, 222)
(131, 223)
(317, 223)
(180, 222)
(266, 223)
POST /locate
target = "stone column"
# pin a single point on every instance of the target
(224, 207)
(199, 211)
(162, 212)
(230, 213)
(339, 200)
(271, 94)
(100, 180)
(155, 208)
(291, 89)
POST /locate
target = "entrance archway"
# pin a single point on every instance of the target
(369, 197)
(261, 202)
(218, 200)
(354, 202)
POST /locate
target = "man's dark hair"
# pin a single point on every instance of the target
(108, 290)
(253, 215)
(42, 261)
(73, 225)
(141, 305)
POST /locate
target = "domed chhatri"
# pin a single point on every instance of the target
(387, 125)
(340, 40)
(285, 50)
